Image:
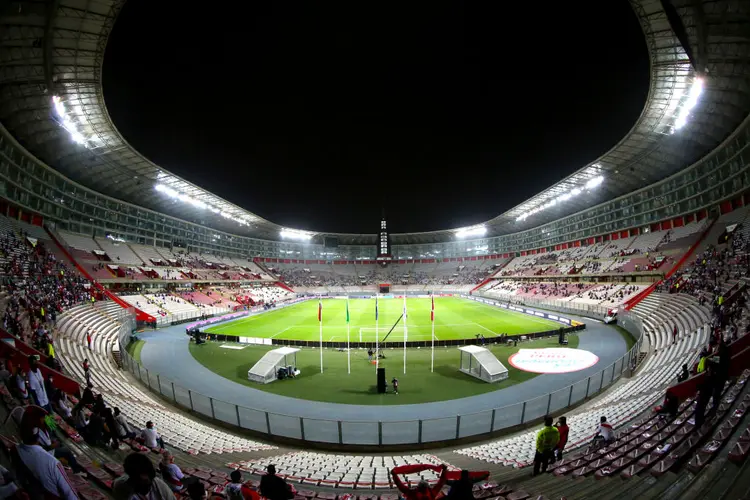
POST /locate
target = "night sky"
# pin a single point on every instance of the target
(317, 115)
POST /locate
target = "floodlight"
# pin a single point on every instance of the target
(471, 231)
(592, 183)
(692, 99)
(295, 234)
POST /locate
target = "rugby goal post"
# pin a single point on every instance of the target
(367, 334)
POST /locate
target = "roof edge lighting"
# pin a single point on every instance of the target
(65, 120)
(295, 234)
(689, 101)
(241, 218)
(590, 184)
(467, 232)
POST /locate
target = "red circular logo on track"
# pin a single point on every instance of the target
(553, 360)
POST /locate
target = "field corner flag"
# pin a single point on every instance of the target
(432, 320)
(320, 322)
(348, 349)
(406, 333)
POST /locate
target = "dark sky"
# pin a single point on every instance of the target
(315, 115)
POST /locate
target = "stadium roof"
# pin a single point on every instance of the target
(51, 100)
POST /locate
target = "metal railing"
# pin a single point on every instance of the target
(364, 432)
(563, 306)
(181, 317)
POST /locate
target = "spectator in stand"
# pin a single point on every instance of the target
(94, 431)
(42, 472)
(86, 372)
(670, 406)
(563, 429)
(140, 481)
(34, 421)
(88, 339)
(20, 386)
(273, 487)
(123, 429)
(706, 390)
(236, 490)
(61, 404)
(423, 491)
(80, 422)
(463, 487)
(197, 491)
(172, 474)
(151, 438)
(110, 429)
(36, 384)
(683, 375)
(604, 432)
(8, 487)
(546, 441)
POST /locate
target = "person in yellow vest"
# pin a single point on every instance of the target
(702, 364)
(546, 442)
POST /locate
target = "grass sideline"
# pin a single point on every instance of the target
(334, 385)
(134, 349)
(455, 318)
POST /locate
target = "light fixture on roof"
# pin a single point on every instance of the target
(590, 184)
(468, 232)
(243, 220)
(65, 120)
(689, 101)
(295, 234)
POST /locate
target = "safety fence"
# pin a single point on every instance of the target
(366, 432)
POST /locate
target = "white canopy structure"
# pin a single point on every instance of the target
(265, 370)
(482, 364)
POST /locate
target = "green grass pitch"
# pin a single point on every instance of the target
(454, 318)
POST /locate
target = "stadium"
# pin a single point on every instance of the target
(350, 360)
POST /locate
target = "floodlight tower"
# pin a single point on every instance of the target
(384, 252)
(384, 244)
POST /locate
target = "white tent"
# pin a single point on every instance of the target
(482, 364)
(265, 370)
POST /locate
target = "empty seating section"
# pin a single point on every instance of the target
(343, 471)
(358, 277)
(146, 305)
(79, 242)
(661, 313)
(119, 252)
(149, 255)
(177, 430)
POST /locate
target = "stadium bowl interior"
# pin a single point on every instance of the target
(243, 357)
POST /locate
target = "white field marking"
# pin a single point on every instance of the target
(332, 337)
(485, 328)
(219, 328)
(235, 347)
(282, 331)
